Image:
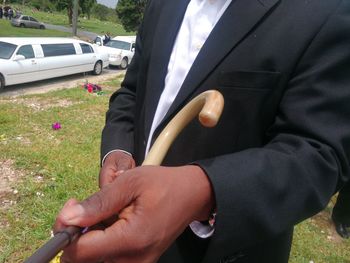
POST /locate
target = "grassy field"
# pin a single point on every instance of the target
(6, 30)
(92, 25)
(46, 167)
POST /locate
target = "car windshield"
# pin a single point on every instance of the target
(118, 44)
(6, 50)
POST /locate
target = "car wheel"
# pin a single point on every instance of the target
(42, 27)
(2, 83)
(22, 25)
(97, 68)
(124, 63)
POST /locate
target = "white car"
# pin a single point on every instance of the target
(30, 59)
(120, 49)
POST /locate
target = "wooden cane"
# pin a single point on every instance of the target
(208, 104)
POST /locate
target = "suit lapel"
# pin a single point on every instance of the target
(165, 34)
(238, 20)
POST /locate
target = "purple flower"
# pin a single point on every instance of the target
(56, 126)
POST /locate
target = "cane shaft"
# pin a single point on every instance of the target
(54, 245)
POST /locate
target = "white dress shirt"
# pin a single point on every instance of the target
(200, 18)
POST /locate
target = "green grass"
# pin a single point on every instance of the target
(61, 18)
(57, 165)
(6, 30)
(316, 240)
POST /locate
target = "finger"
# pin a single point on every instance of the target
(98, 245)
(107, 175)
(124, 163)
(59, 224)
(121, 161)
(110, 221)
(101, 205)
(123, 242)
(114, 165)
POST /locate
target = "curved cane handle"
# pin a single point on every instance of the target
(208, 105)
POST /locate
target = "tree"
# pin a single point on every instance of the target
(85, 6)
(102, 12)
(43, 5)
(66, 5)
(130, 13)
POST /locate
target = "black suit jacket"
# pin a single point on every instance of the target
(282, 145)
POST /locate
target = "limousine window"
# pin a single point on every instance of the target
(118, 44)
(51, 50)
(6, 50)
(86, 48)
(26, 51)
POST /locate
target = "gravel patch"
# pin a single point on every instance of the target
(9, 177)
(40, 104)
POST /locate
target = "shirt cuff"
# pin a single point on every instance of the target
(117, 150)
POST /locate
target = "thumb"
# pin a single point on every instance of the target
(98, 207)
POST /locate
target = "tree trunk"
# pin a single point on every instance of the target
(75, 17)
(70, 15)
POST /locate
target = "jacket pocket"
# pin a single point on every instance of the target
(249, 79)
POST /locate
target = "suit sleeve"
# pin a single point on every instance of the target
(263, 192)
(118, 132)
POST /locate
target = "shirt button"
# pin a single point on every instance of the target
(198, 46)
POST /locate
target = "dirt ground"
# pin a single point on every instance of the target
(323, 221)
(8, 179)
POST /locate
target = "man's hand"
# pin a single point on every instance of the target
(114, 164)
(155, 204)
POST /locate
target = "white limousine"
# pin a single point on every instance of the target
(25, 59)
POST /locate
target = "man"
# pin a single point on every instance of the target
(106, 38)
(341, 212)
(276, 157)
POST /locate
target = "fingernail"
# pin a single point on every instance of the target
(73, 212)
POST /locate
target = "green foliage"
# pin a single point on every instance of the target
(104, 13)
(57, 18)
(44, 5)
(130, 13)
(88, 9)
(84, 7)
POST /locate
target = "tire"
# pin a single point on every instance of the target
(42, 27)
(97, 68)
(124, 63)
(22, 25)
(2, 83)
